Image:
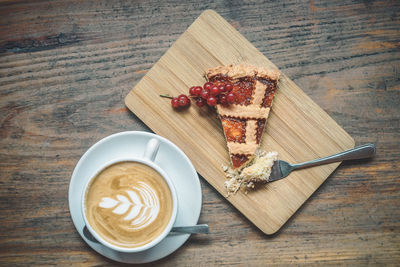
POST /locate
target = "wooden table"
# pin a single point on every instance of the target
(66, 66)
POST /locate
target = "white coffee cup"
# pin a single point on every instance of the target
(147, 158)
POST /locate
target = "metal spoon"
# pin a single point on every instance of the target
(194, 229)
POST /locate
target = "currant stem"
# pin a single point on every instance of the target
(167, 96)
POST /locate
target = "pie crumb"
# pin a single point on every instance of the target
(258, 171)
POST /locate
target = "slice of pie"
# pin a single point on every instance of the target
(243, 122)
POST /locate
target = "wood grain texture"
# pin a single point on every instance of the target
(297, 128)
(66, 66)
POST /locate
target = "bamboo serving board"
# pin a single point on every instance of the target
(297, 128)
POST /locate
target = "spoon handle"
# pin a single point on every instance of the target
(194, 229)
(360, 152)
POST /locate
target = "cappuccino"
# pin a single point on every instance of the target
(128, 204)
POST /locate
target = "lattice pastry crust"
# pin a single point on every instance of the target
(244, 121)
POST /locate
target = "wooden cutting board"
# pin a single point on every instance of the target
(297, 128)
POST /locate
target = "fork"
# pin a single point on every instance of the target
(281, 168)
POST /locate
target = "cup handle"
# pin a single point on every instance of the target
(151, 149)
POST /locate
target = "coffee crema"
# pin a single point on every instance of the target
(128, 204)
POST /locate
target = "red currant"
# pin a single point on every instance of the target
(221, 89)
(231, 98)
(204, 94)
(223, 100)
(207, 86)
(228, 87)
(191, 90)
(200, 102)
(183, 100)
(175, 102)
(197, 90)
(182, 96)
(211, 101)
(214, 90)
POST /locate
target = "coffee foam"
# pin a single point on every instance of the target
(143, 206)
(128, 204)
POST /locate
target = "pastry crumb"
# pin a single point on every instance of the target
(258, 171)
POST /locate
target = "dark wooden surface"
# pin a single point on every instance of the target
(66, 66)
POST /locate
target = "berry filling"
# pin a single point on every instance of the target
(234, 129)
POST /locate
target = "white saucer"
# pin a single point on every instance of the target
(170, 158)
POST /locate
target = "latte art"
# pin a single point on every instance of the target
(143, 205)
(128, 204)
